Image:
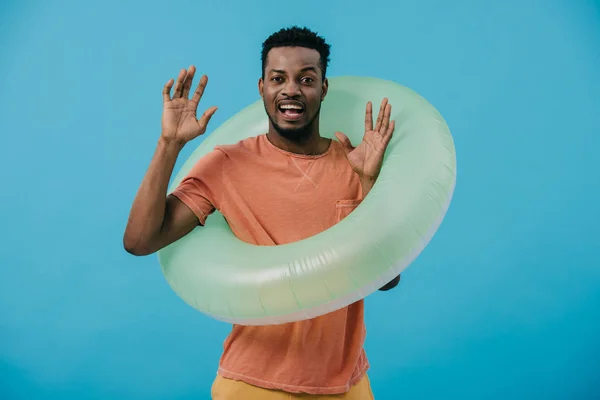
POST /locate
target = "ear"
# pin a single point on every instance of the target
(260, 87)
(324, 89)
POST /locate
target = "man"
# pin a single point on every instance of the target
(275, 188)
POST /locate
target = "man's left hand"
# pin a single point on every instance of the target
(366, 158)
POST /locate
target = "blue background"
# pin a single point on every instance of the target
(503, 304)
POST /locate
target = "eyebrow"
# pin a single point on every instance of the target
(280, 71)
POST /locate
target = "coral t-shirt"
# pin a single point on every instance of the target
(270, 197)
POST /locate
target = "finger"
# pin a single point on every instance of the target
(380, 114)
(179, 84)
(391, 128)
(167, 91)
(345, 142)
(205, 118)
(386, 119)
(200, 89)
(390, 131)
(187, 84)
(369, 117)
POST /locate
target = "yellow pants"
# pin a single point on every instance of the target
(228, 389)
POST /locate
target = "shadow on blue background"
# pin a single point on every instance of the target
(503, 304)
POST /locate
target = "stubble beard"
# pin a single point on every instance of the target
(296, 135)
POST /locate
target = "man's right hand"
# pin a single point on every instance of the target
(157, 219)
(179, 122)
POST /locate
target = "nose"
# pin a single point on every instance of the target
(291, 89)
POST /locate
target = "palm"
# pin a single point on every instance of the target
(180, 120)
(180, 117)
(366, 158)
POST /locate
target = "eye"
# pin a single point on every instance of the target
(276, 79)
(307, 79)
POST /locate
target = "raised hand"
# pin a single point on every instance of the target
(179, 121)
(366, 158)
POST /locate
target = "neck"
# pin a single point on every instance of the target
(314, 144)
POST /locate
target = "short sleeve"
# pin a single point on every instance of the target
(201, 188)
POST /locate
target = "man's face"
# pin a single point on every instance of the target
(292, 90)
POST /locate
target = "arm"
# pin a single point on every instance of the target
(367, 158)
(157, 220)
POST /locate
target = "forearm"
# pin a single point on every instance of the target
(148, 210)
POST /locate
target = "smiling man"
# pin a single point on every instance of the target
(275, 188)
(293, 112)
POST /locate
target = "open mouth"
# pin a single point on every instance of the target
(291, 110)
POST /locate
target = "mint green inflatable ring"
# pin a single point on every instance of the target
(239, 283)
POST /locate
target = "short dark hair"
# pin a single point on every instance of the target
(300, 37)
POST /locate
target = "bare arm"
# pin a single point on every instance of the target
(366, 159)
(157, 220)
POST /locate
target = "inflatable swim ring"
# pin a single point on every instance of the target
(240, 283)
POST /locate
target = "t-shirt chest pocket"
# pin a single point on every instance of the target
(343, 208)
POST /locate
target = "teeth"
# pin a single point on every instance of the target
(290, 107)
